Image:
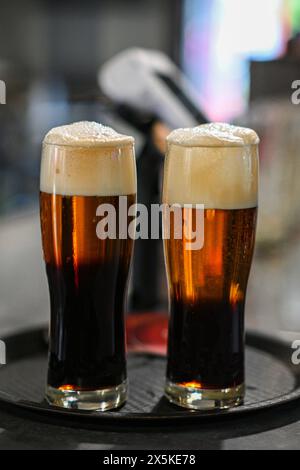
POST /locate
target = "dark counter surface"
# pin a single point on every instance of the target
(273, 429)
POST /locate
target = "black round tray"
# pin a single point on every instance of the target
(271, 381)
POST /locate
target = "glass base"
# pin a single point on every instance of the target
(94, 400)
(205, 399)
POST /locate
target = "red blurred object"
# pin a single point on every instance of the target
(147, 332)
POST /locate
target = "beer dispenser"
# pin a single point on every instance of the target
(154, 96)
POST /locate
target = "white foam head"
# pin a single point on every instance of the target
(87, 159)
(213, 164)
(214, 135)
(86, 133)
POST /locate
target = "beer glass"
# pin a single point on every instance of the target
(86, 170)
(215, 166)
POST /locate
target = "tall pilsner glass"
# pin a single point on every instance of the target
(215, 165)
(86, 167)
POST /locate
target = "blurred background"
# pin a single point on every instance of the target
(145, 67)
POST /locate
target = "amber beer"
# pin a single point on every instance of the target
(214, 165)
(84, 166)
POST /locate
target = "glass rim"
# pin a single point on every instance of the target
(91, 146)
(217, 146)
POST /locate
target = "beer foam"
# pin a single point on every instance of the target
(213, 135)
(86, 133)
(215, 165)
(87, 159)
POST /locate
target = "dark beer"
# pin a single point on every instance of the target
(215, 166)
(86, 170)
(87, 280)
(207, 300)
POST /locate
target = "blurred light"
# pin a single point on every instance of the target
(221, 36)
(294, 10)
